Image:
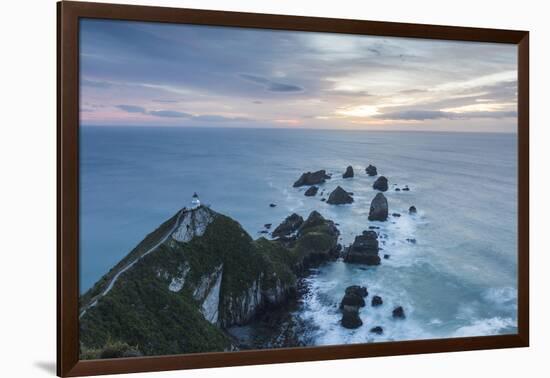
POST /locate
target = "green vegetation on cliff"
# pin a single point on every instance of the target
(178, 298)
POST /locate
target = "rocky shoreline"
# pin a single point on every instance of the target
(210, 272)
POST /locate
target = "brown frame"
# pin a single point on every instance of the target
(68, 14)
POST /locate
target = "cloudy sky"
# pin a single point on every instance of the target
(149, 74)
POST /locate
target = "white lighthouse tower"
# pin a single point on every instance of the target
(195, 202)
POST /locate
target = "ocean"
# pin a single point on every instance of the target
(458, 279)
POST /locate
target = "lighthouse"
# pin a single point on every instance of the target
(195, 202)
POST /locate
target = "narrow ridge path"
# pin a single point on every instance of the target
(115, 278)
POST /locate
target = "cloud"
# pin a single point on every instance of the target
(95, 83)
(170, 114)
(423, 115)
(166, 101)
(255, 78)
(413, 91)
(270, 85)
(177, 114)
(219, 118)
(279, 87)
(132, 109)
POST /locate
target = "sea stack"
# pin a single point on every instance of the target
(311, 191)
(348, 173)
(398, 313)
(312, 178)
(352, 301)
(364, 249)
(376, 301)
(381, 184)
(339, 197)
(371, 170)
(379, 208)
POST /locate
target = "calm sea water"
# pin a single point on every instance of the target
(458, 279)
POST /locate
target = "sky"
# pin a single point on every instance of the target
(152, 74)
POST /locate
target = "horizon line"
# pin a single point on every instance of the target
(515, 132)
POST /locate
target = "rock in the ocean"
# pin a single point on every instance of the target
(272, 205)
(377, 330)
(397, 189)
(381, 184)
(317, 240)
(376, 301)
(411, 240)
(378, 208)
(386, 256)
(357, 290)
(397, 215)
(412, 210)
(323, 199)
(398, 313)
(312, 178)
(405, 189)
(339, 197)
(350, 317)
(352, 301)
(371, 170)
(311, 191)
(290, 225)
(348, 173)
(364, 249)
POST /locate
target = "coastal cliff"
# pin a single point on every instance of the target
(199, 273)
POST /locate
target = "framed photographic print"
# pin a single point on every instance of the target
(241, 188)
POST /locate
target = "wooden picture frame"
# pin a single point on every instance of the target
(69, 13)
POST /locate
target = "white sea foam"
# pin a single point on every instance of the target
(490, 326)
(501, 295)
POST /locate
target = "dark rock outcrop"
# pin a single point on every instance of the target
(376, 301)
(350, 317)
(378, 208)
(412, 210)
(348, 173)
(311, 191)
(351, 302)
(371, 170)
(267, 225)
(377, 330)
(398, 313)
(315, 219)
(396, 215)
(339, 197)
(357, 290)
(381, 184)
(364, 249)
(288, 226)
(272, 205)
(312, 178)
